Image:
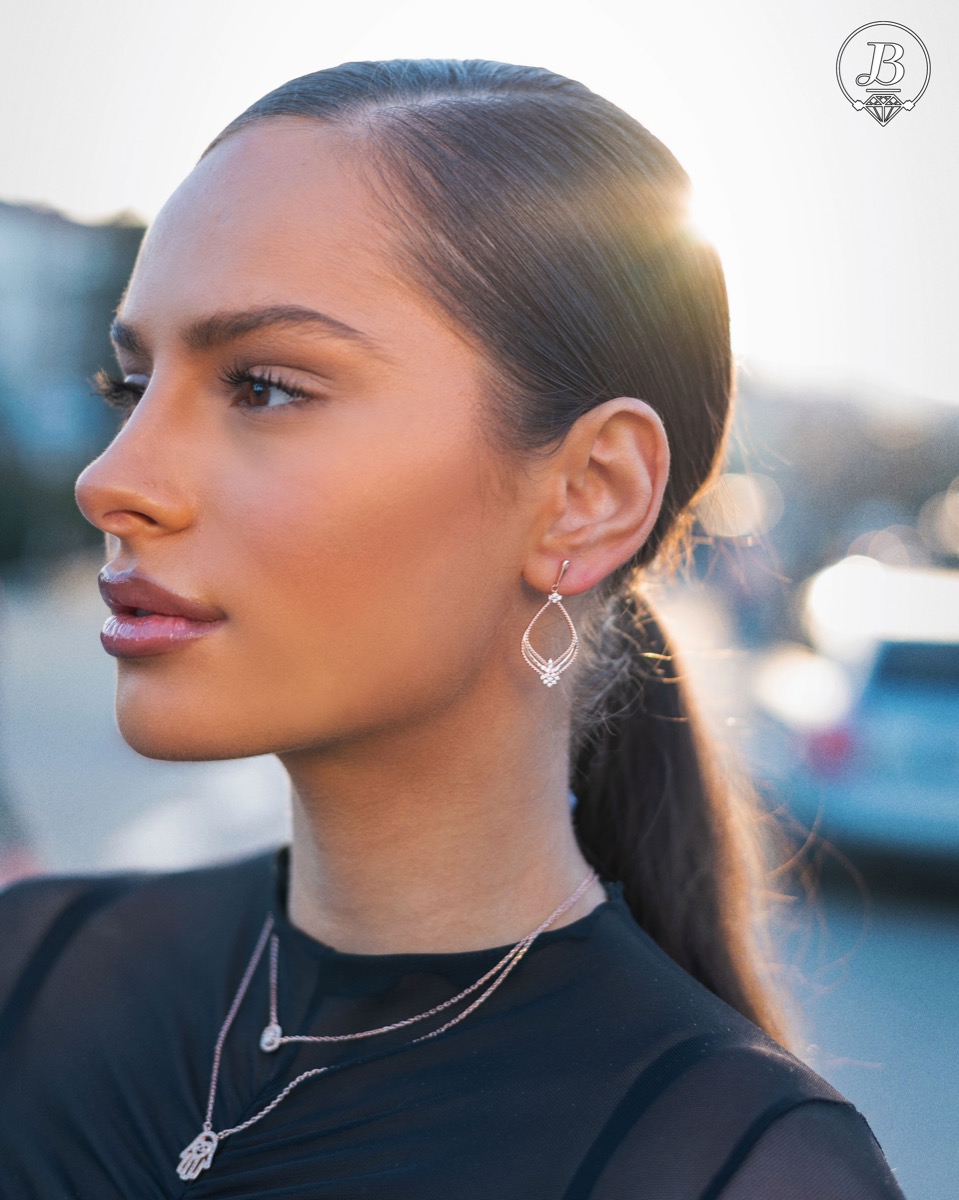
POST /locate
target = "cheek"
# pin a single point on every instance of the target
(348, 581)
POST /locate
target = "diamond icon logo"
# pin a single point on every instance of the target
(883, 108)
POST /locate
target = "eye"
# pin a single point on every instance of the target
(265, 390)
(120, 394)
(259, 389)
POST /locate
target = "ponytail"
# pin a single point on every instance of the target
(655, 812)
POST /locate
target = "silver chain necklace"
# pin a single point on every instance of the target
(198, 1155)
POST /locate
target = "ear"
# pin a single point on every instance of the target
(603, 491)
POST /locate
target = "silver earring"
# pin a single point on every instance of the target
(550, 669)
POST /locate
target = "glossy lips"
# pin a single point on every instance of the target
(169, 621)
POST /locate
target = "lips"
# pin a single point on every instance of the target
(127, 592)
(148, 619)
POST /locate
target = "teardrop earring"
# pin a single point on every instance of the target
(550, 669)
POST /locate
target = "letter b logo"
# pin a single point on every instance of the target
(883, 53)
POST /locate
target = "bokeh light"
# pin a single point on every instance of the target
(850, 605)
(938, 523)
(740, 505)
(803, 689)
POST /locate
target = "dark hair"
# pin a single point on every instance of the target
(554, 228)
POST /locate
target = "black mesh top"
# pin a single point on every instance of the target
(599, 1069)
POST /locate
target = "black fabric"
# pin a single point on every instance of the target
(598, 1070)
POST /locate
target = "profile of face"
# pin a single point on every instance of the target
(324, 481)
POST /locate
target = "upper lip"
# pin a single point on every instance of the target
(127, 591)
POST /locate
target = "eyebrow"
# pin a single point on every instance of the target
(207, 333)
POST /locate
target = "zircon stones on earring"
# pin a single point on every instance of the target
(550, 669)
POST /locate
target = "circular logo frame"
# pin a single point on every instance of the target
(885, 101)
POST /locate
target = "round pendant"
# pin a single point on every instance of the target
(270, 1037)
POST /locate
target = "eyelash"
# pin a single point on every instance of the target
(123, 396)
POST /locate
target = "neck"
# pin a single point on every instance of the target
(434, 841)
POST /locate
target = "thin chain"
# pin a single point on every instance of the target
(274, 956)
(273, 1103)
(234, 1008)
(505, 965)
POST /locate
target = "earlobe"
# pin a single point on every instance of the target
(609, 479)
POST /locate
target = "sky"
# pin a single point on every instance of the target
(839, 236)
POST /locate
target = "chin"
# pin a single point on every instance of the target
(174, 734)
(162, 717)
(167, 741)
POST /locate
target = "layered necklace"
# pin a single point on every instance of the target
(198, 1156)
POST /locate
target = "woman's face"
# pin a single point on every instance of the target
(345, 513)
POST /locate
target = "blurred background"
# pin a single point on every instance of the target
(820, 617)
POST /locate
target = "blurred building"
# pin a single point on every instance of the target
(60, 282)
(810, 479)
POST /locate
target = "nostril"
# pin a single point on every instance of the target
(128, 499)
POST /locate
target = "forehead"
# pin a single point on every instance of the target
(280, 212)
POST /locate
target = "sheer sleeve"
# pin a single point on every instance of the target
(817, 1149)
(734, 1122)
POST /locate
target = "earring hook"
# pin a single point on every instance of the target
(559, 577)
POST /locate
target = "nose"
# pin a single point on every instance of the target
(136, 487)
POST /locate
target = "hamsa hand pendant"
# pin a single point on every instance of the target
(198, 1155)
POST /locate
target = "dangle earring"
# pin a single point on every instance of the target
(550, 669)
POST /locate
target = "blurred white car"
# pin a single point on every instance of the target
(859, 736)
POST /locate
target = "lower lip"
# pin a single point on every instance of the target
(126, 636)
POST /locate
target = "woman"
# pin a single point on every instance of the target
(421, 368)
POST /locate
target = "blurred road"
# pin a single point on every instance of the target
(878, 985)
